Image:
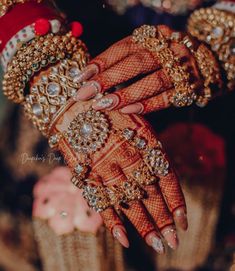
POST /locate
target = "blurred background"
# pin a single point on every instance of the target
(200, 141)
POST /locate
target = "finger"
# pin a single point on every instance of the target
(172, 192)
(156, 103)
(136, 108)
(174, 197)
(131, 66)
(147, 87)
(115, 225)
(156, 206)
(139, 63)
(153, 240)
(115, 53)
(180, 217)
(170, 235)
(169, 184)
(109, 174)
(87, 91)
(138, 216)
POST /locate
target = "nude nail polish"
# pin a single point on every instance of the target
(104, 103)
(109, 102)
(180, 217)
(132, 109)
(171, 237)
(157, 245)
(86, 92)
(120, 235)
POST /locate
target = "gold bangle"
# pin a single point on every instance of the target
(51, 94)
(5, 5)
(38, 54)
(209, 70)
(152, 39)
(216, 28)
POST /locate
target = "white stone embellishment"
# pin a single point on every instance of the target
(140, 143)
(79, 169)
(55, 26)
(37, 109)
(105, 102)
(157, 244)
(53, 140)
(53, 89)
(217, 32)
(88, 131)
(63, 214)
(157, 161)
(128, 133)
(73, 72)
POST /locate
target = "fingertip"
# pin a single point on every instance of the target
(119, 233)
(87, 91)
(170, 235)
(108, 102)
(154, 240)
(180, 217)
(88, 72)
(132, 109)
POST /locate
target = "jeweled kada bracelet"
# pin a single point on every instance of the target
(49, 96)
(216, 28)
(36, 55)
(209, 70)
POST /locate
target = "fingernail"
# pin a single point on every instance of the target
(87, 91)
(180, 217)
(132, 109)
(170, 236)
(157, 245)
(87, 73)
(108, 102)
(155, 242)
(120, 235)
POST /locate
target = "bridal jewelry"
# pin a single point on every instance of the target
(153, 158)
(216, 28)
(36, 55)
(88, 131)
(49, 96)
(152, 39)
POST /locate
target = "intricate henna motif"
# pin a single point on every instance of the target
(154, 90)
(117, 160)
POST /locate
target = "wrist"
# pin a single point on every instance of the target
(215, 26)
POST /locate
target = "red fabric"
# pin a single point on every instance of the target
(22, 15)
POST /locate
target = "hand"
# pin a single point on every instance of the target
(114, 163)
(144, 83)
(115, 158)
(61, 204)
